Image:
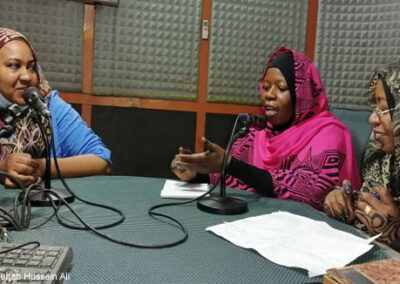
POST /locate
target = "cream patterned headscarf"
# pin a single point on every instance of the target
(27, 137)
(379, 166)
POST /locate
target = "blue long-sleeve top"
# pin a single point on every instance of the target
(72, 136)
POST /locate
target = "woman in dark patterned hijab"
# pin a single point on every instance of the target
(382, 159)
(378, 205)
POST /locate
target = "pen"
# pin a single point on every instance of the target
(371, 185)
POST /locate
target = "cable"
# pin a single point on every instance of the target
(22, 210)
(47, 220)
(152, 214)
(95, 229)
(23, 215)
(10, 219)
(13, 220)
(22, 202)
(53, 150)
(97, 232)
(79, 198)
(47, 171)
(21, 246)
(13, 179)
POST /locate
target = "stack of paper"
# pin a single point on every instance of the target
(295, 241)
(179, 189)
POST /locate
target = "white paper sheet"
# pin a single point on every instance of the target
(295, 241)
(179, 189)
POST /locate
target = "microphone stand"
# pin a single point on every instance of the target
(223, 204)
(38, 198)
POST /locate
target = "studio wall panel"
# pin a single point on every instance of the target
(78, 108)
(55, 29)
(354, 38)
(219, 128)
(148, 49)
(244, 33)
(143, 142)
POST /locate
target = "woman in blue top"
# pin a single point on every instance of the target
(79, 151)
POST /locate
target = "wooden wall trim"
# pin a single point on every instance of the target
(88, 47)
(87, 64)
(85, 99)
(203, 77)
(311, 28)
(87, 113)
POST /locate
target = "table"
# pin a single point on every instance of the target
(203, 258)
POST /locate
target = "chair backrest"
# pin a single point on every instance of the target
(357, 122)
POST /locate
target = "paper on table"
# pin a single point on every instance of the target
(295, 241)
(179, 189)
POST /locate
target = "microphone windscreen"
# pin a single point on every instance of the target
(33, 99)
(252, 120)
(31, 94)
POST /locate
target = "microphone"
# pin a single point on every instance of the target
(251, 120)
(9, 115)
(6, 131)
(34, 99)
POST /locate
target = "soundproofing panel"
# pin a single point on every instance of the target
(147, 49)
(243, 36)
(143, 142)
(219, 128)
(354, 38)
(55, 30)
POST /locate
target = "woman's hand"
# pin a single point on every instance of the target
(338, 204)
(23, 167)
(379, 215)
(209, 161)
(180, 171)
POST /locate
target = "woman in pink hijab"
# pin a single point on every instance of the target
(302, 153)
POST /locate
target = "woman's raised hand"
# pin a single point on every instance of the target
(209, 161)
(179, 169)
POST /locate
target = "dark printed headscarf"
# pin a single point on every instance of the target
(379, 166)
(27, 137)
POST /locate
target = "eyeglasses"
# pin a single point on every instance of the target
(380, 113)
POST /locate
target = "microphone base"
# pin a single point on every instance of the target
(222, 205)
(41, 199)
